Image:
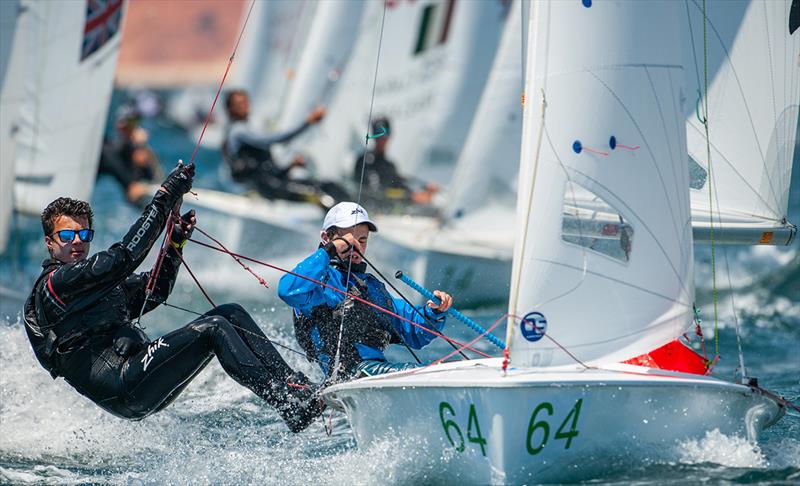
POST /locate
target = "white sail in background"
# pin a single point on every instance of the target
(64, 54)
(605, 299)
(330, 41)
(10, 89)
(269, 54)
(753, 65)
(491, 152)
(435, 58)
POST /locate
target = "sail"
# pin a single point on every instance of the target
(327, 48)
(753, 96)
(10, 89)
(491, 153)
(64, 54)
(269, 51)
(434, 60)
(603, 115)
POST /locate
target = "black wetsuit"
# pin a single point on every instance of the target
(249, 156)
(116, 160)
(78, 319)
(382, 183)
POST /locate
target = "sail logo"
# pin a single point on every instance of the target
(533, 326)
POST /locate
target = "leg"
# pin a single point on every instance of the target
(156, 375)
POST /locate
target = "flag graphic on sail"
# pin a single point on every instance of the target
(102, 23)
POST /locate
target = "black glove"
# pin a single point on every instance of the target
(179, 181)
(183, 229)
(129, 340)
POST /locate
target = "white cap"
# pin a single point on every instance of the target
(346, 215)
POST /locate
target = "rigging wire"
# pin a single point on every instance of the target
(337, 357)
(710, 180)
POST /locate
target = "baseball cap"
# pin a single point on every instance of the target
(347, 214)
(381, 124)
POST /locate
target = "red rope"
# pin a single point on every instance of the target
(219, 89)
(289, 272)
(205, 294)
(235, 257)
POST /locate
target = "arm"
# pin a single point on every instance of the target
(243, 135)
(107, 269)
(412, 335)
(303, 294)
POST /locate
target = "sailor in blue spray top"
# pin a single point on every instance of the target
(320, 312)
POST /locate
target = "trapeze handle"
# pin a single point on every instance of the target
(453, 312)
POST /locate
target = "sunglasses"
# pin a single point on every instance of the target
(67, 236)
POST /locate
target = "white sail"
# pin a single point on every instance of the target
(435, 58)
(589, 87)
(753, 66)
(270, 56)
(10, 92)
(491, 152)
(64, 53)
(327, 48)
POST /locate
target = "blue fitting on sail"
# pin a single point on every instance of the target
(577, 146)
(612, 142)
(461, 317)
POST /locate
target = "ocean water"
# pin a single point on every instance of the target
(218, 432)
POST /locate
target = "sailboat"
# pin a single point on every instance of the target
(57, 67)
(564, 404)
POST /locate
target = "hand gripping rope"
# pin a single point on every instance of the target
(453, 312)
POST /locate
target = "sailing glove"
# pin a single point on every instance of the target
(179, 181)
(183, 229)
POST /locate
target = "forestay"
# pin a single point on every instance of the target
(601, 81)
(64, 54)
(753, 64)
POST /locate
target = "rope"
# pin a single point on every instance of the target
(710, 180)
(224, 76)
(345, 293)
(171, 220)
(417, 311)
(337, 357)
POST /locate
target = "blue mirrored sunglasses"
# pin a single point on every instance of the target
(67, 236)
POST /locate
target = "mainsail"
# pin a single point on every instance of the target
(752, 62)
(610, 125)
(64, 55)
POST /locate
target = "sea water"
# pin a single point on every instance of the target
(218, 432)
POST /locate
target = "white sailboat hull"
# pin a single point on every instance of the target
(542, 425)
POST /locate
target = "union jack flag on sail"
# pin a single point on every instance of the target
(102, 23)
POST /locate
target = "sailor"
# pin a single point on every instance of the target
(382, 183)
(79, 319)
(323, 317)
(248, 153)
(128, 157)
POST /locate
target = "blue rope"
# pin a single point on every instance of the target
(461, 317)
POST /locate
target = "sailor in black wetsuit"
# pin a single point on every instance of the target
(249, 156)
(383, 186)
(79, 320)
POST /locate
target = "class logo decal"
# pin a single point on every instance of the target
(533, 326)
